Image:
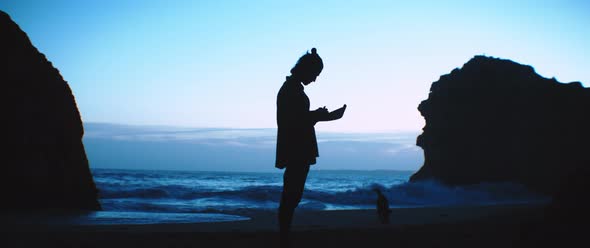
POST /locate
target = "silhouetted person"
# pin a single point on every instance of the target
(296, 141)
(383, 210)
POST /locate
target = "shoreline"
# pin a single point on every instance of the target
(265, 220)
(465, 226)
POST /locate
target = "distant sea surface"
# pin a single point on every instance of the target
(220, 192)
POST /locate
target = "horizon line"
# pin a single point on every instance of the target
(273, 170)
(419, 130)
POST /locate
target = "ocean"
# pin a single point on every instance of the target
(157, 191)
(351, 166)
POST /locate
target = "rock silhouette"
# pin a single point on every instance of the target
(495, 120)
(44, 161)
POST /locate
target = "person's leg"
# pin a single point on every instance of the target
(293, 185)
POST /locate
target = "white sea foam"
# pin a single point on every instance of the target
(192, 192)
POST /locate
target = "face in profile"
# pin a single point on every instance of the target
(309, 77)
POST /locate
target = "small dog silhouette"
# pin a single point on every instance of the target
(383, 210)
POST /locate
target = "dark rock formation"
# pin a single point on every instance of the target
(496, 120)
(44, 163)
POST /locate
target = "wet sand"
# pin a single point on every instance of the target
(473, 226)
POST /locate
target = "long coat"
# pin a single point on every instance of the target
(296, 140)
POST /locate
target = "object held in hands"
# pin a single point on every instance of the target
(335, 115)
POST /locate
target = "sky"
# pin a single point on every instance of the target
(220, 63)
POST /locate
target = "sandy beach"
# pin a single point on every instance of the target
(471, 226)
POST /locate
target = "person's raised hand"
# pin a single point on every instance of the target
(322, 110)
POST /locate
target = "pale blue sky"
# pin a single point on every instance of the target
(220, 63)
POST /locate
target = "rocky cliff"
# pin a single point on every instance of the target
(44, 163)
(496, 120)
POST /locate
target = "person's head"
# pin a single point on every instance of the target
(308, 67)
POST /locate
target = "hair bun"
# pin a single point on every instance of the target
(314, 51)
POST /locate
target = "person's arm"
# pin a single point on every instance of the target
(294, 111)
